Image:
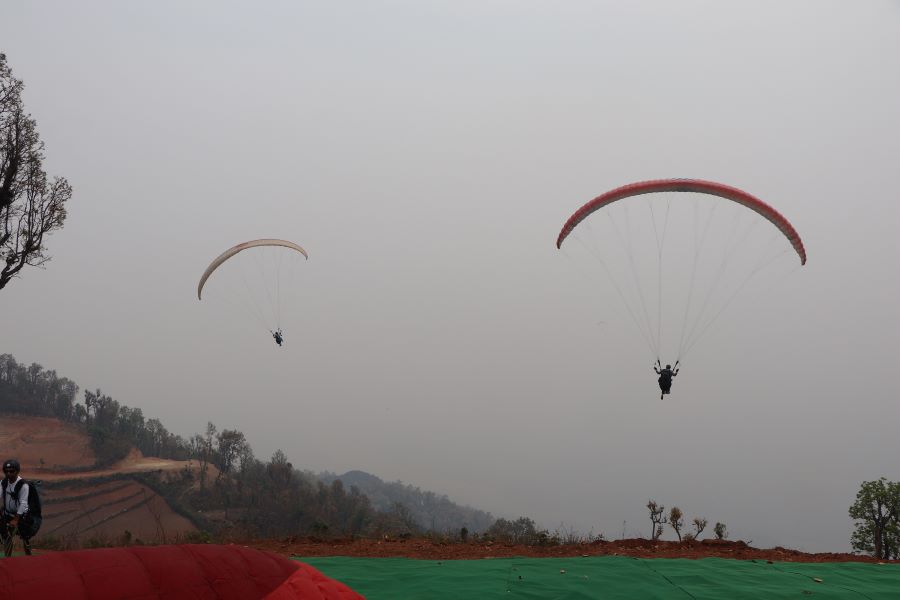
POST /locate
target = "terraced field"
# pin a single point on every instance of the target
(83, 504)
(120, 508)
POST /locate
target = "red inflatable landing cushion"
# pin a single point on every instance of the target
(307, 581)
(182, 572)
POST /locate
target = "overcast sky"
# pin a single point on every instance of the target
(426, 155)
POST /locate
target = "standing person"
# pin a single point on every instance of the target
(21, 508)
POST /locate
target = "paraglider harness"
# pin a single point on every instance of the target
(665, 376)
(30, 522)
(279, 337)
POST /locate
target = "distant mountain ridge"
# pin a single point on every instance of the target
(430, 511)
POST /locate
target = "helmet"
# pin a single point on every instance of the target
(668, 366)
(12, 464)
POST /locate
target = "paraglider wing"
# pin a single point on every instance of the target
(234, 250)
(687, 185)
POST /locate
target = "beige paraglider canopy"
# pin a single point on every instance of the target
(235, 249)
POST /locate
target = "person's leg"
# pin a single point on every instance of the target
(28, 528)
(7, 537)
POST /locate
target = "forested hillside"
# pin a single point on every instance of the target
(223, 488)
(428, 510)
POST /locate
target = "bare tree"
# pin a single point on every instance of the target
(676, 521)
(656, 518)
(699, 526)
(31, 205)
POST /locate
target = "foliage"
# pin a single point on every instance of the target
(231, 446)
(248, 497)
(429, 511)
(520, 531)
(32, 390)
(721, 531)
(877, 514)
(113, 428)
(676, 520)
(272, 504)
(31, 205)
(108, 447)
(397, 521)
(699, 526)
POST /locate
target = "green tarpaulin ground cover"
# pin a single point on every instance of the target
(610, 577)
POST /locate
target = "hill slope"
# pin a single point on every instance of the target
(45, 443)
(430, 511)
(86, 505)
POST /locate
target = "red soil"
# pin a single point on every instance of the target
(106, 510)
(112, 507)
(428, 549)
(34, 439)
(48, 449)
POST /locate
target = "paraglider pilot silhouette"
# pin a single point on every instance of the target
(279, 337)
(665, 377)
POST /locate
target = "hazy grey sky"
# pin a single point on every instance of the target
(426, 155)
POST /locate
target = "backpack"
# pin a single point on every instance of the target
(34, 498)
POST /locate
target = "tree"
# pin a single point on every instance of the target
(877, 512)
(31, 205)
(403, 516)
(521, 531)
(720, 530)
(863, 538)
(206, 452)
(699, 526)
(280, 470)
(231, 445)
(676, 521)
(657, 519)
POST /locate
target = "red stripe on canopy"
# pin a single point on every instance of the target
(687, 185)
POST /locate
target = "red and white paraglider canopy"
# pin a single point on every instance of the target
(698, 186)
